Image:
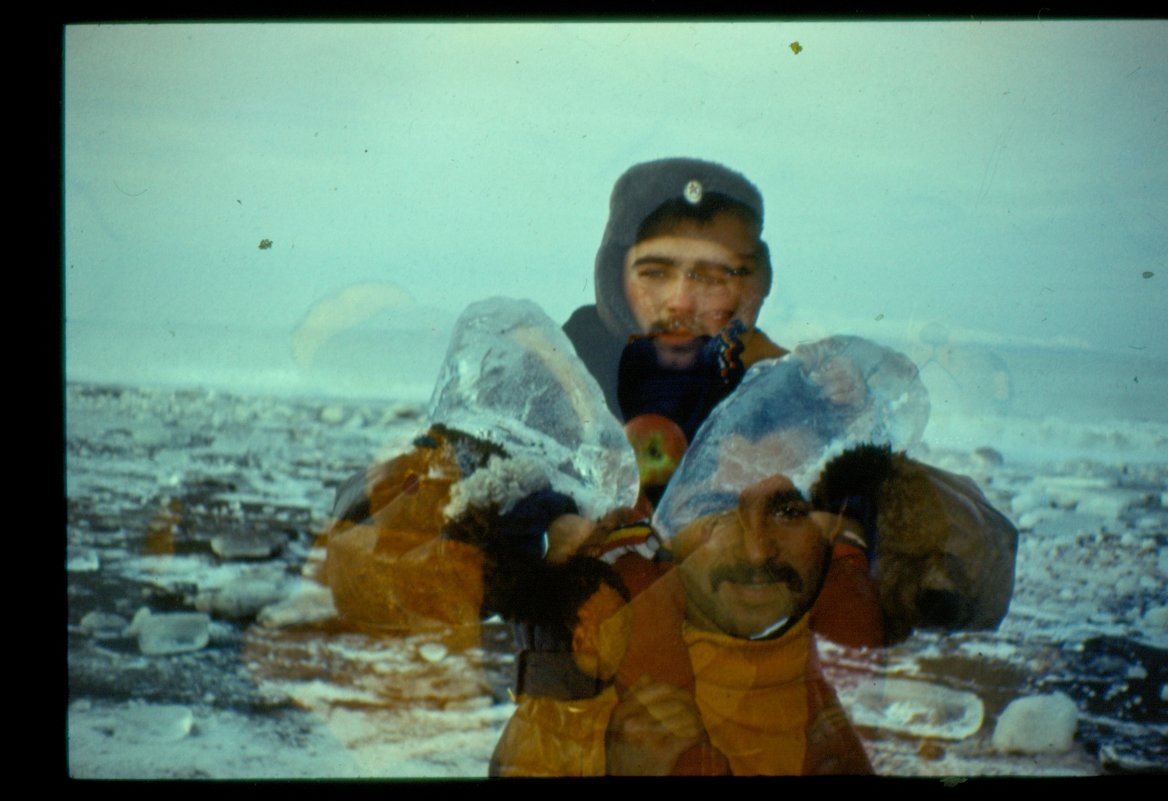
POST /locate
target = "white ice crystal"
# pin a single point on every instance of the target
(512, 377)
(1037, 724)
(918, 708)
(172, 632)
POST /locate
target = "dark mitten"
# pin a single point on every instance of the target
(556, 611)
(518, 532)
(851, 482)
(549, 595)
(517, 582)
(527, 521)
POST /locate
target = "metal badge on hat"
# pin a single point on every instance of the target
(693, 191)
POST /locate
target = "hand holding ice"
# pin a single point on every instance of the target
(512, 377)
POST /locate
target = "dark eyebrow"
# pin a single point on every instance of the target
(741, 260)
(652, 258)
(721, 265)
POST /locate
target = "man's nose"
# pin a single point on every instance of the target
(681, 295)
(756, 545)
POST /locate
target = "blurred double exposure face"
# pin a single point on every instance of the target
(749, 570)
(692, 280)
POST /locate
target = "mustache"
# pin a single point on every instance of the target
(692, 324)
(766, 573)
(677, 325)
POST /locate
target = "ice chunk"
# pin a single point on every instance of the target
(103, 624)
(917, 708)
(1156, 619)
(172, 633)
(333, 415)
(81, 560)
(894, 404)
(1029, 500)
(308, 602)
(512, 377)
(140, 617)
(1036, 517)
(1109, 506)
(432, 651)
(243, 596)
(247, 545)
(1037, 724)
(780, 420)
(143, 724)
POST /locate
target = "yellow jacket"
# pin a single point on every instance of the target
(765, 705)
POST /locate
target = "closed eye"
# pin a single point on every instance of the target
(718, 272)
(788, 506)
(794, 511)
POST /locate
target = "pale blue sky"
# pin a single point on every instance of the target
(1009, 179)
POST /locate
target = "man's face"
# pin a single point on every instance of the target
(748, 570)
(693, 280)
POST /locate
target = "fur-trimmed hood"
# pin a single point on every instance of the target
(943, 556)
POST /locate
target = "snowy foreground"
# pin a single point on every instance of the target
(196, 650)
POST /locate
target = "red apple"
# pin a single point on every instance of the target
(659, 444)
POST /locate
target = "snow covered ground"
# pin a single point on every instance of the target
(201, 507)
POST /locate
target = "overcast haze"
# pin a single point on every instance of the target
(1007, 179)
